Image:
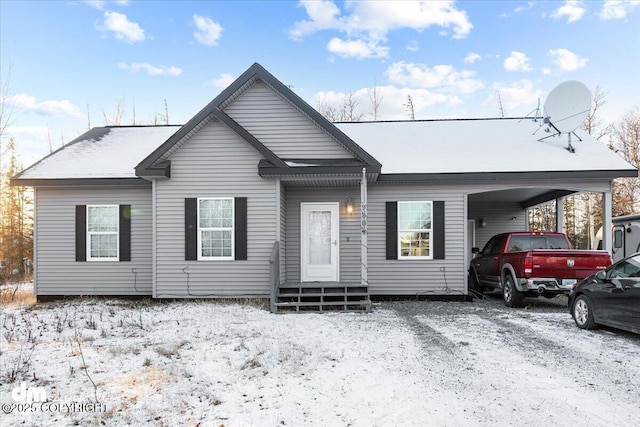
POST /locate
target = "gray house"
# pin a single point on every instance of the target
(259, 195)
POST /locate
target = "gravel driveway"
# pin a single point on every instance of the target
(505, 361)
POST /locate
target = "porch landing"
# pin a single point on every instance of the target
(322, 296)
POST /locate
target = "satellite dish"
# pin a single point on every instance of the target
(567, 107)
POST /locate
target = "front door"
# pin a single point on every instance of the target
(319, 242)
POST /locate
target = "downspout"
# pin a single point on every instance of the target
(154, 240)
(364, 277)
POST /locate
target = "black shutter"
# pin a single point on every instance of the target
(240, 221)
(190, 229)
(125, 232)
(392, 230)
(438, 230)
(81, 232)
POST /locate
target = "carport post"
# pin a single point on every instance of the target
(560, 215)
(607, 203)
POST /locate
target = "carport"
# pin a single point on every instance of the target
(494, 168)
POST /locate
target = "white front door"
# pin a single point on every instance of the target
(319, 232)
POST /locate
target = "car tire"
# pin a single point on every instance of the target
(473, 283)
(512, 296)
(582, 313)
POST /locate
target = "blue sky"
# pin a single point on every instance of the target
(70, 61)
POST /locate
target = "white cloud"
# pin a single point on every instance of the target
(517, 61)
(519, 9)
(514, 95)
(368, 23)
(121, 28)
(359, 49)
(572, 9)
(616, 9)
(221, 82)
(471, 58)
(443, 78)
(38, 132)
(208, 31)
(528, 6)
(151, 70)
(567, 60)
(412, 46)
(28, 103)
(100, 4)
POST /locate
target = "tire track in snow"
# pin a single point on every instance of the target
(504, 362)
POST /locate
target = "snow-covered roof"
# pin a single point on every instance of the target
(104, 152)
(407, 147)
(476, 146)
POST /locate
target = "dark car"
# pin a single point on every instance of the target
(610, 297)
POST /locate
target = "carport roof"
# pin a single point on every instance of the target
(480, 146)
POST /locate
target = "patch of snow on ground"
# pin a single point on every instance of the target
(406, 363)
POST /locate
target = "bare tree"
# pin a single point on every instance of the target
(542, 217)
(166, 112)
(375, 99)
(6, 108)
(593, 124)
(349, 105)
(500, 105)
(410, 107)
(626, 141)
(346, 112)
(116, 118)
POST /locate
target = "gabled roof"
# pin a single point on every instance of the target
(475, 148)
(102, 153)
(155, 164)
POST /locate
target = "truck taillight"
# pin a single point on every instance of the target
(528, 264)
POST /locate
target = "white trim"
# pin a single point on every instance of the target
(233, 230)
(335, 247)
(410, 230)
(154, 238)
(106, 233)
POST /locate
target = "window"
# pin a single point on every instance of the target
(216, 228)
(414, 230)
(627, 268)
(103, 233)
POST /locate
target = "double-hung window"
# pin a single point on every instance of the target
(103, 233)
(415, 233)
(216, 229)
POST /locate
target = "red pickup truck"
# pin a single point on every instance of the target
(531, 264)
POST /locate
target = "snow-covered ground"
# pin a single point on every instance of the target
(406, 363)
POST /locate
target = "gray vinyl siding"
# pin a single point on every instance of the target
(58, 273)
(416, 277)
(214, 163)
(498, 218)
(281, 127)
(349, 230)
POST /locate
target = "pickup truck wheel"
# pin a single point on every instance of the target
(583, 313)
(512, 296)
(473, 283)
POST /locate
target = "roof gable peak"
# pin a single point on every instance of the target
(149, 167)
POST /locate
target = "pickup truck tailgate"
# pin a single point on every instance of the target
(563, 264)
